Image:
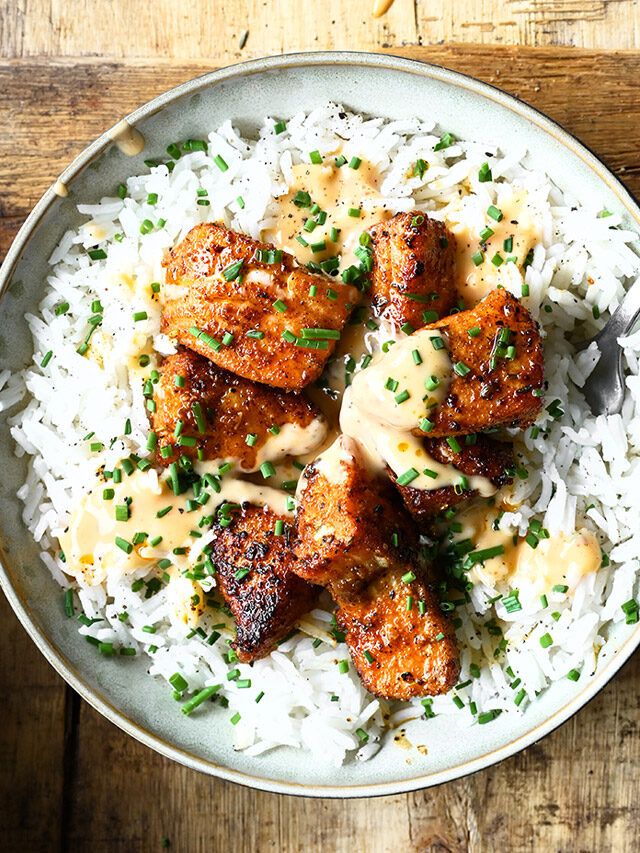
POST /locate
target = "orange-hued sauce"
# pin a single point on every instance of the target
(336, 190)
(380, 7)
(129, 140)
(563, 559)
(89, 542)
(521, 222)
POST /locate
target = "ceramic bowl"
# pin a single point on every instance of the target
(120, 688)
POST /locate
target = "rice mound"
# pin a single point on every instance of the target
(581, 468)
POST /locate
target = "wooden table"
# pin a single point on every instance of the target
(72, 781)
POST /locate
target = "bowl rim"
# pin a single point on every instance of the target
(59, 661)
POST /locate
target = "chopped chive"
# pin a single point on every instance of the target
(426, 425)
(355, 162)
(495, 213)
(489, 716)
(477, 258)
(178, 682)
(233, 270)
(420, 168)
(343, 667)
(461, 368)
(267, 470)
(409, 475)
(573, 675)
(445, 141)
(47, 358)
(546, 641)
(199, 698)
(279, 127)
(125, 546)
(280, 306)
(402, 397)
(484, 173)
(409, 577)
(220, 163)
(486, 233)
(97, 254)
(355, 212)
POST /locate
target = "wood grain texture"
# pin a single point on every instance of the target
(70, 781)
(195, 31)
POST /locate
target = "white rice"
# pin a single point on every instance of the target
(583, 474)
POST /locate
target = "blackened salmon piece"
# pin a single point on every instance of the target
(254, 571)
(498, 368)
(251, 308)
(413, 277)
(203, 409)
(486, 457)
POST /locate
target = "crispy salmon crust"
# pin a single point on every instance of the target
(268, 599)
(348, 529)
(230, 409)
(490, 393)
(486, 458)
(219, 316)
(352, 537)
(399, 652)
(413, 269)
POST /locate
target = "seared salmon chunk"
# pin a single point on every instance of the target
(348, 525)
(412, 280)
(401, 643)
(484, 458)
(254, 563)
(251, 308)
(353, 538)
(498, 366)
(200, 407)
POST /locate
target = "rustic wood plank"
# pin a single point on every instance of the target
(32, 738)
(577, 790)
(193, 31)
(53, 108)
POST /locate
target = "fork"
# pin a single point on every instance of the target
(604, 388)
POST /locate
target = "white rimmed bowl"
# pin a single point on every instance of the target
(120, 688)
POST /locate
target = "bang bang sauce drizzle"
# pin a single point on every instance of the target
(485, 259)
(327, 207)
(389, 399)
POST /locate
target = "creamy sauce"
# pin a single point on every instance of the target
(129, 140)
(89, 542)
(60, 189)
(560, 560)
(188, 598)
(95, 231)
(402, 741)
(521, 222)
(380, 7)
(372, 414)
(337, 190)
(293, 440)
(331, 463)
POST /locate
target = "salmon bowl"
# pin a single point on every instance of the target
(152, 404)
